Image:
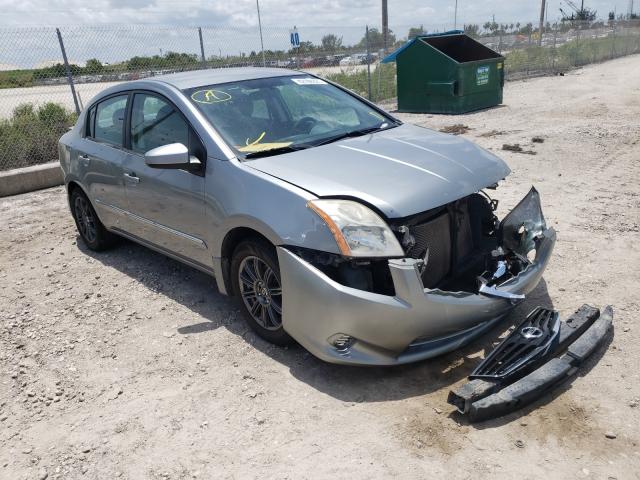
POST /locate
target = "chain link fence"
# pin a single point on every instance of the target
(48, 74)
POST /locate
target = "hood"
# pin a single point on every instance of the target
(401, 171)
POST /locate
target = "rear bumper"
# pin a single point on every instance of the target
(415, 324)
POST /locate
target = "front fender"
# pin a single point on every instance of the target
(240, 196)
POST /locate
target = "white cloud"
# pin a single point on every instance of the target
(430, 13)
(111, 30)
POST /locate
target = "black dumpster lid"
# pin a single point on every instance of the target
(461, 48)
(392, 56)
(454, 44)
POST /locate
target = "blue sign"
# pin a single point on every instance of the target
(294, 38)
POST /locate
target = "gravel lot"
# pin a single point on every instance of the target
(129, 365)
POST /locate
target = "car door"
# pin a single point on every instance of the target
(100, 158)
(166, 205)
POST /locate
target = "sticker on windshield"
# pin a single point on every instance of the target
(308, 81)
(210, 96)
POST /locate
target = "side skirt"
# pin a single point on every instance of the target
(175, 256)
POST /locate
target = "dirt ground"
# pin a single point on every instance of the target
(129, 365)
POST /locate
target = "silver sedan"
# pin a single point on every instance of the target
(366, 240)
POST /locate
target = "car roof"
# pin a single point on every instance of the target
(198, 78)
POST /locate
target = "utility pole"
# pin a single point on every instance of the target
(366, 36)
(385, 24)
(542, 10)
(455, 16)
(264, 62)
(202, 57)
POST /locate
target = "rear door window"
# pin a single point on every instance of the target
(109, 120)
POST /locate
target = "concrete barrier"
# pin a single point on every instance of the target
(28, 179)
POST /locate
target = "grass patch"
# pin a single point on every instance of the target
(30, 136)
(383, 81)
(570, 55)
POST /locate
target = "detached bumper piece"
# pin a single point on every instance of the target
(521, 370)
(531, 341)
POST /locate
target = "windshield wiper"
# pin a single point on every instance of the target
(354, 133)
(275, 151)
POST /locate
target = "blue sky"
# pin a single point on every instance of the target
(285, 13)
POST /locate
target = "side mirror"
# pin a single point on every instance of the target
(173, 155)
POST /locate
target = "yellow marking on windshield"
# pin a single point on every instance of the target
(256, 141)
(210, 96)
(376, 114)
(261, 147)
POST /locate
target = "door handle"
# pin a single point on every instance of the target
(131, 178)
(84, 160)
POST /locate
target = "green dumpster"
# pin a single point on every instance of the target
(447, 73)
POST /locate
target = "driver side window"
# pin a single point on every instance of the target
(155, 122)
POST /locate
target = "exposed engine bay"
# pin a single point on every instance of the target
(462, 245)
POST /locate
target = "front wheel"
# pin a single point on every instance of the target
(256, 280)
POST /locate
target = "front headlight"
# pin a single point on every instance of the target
(359, 232)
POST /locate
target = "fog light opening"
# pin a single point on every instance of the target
(342, 342)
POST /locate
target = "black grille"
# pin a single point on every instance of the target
(527, 344)
(435, 236)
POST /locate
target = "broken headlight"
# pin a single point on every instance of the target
(359, 232)
(523, 225)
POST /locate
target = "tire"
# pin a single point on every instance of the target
(255, 278)
(93, 233)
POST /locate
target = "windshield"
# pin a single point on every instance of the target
(281, 114)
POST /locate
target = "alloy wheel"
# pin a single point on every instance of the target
(86, 220)
(261, 292)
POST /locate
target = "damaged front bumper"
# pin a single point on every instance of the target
(345, 325)
(524, 375)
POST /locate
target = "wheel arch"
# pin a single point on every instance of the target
(72, 186)
(231, 240)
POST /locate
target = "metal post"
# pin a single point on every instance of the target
(541, 27)
(68, 70)
(264, 62)
(555, 53)
(201, 45)
(385, 25)
(366, 36)
(613, 42)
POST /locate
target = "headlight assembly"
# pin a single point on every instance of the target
(359, 232)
